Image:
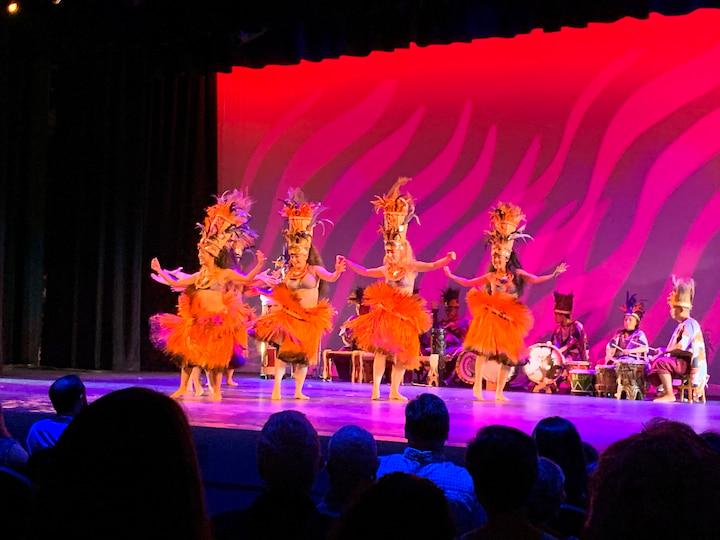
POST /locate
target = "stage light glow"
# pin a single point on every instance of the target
(13, 8)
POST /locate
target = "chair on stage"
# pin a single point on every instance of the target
(692, 393)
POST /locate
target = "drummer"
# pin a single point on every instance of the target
(685, 353)
(355, 298)
(629, 343)
(455, 326)
(569, 335)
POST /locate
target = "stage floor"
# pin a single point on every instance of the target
(334, 404)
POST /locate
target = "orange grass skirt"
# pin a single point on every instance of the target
(393, 325)
(297, 330)
(499, 325)
(203, 338)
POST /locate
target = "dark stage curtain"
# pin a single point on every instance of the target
(108, 161)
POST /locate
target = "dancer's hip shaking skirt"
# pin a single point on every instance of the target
(393, 325)
(198, 337)
(297, 330)
(499, 325)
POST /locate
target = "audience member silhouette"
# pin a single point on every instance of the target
(124, 468)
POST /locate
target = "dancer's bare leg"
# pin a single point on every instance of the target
(379, 363)
(279, 374)
(195, 384)
(396, 378)
(185, 372)
(503, 373)
(229, 374)
(669, 395)
(215, 377)
(479, 370)
(300, 372)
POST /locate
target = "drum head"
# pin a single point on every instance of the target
(465, 368)
(542, 358)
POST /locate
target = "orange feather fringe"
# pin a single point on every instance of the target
(393, 325)
(297, 330)
(200, 337)
(499, 325)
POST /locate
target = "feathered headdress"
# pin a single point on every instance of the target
(449, 294)
(683, 292)
(356, 296)
(507, 223)
(633, 306)
(302, 217)
(226, 224)
(398, 211)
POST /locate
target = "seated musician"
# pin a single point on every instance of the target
(356, 298)
(685, 353)
(455, 326)
(630, 342)
(569, 335)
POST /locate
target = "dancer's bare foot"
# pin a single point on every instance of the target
(215, 396)
(231, 382)
(501, 397)
(300, 395)
(199, 392)
(178, 394)
(276, 396)
(478, 395)
(667, 398)
(397, 396)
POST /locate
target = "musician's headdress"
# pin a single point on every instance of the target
(633, 307)
(226, 224)
(507, 223)
(398, 211)
(356, 296)
(563, 303)
(450, 294)
(683, 292)
(302, 217)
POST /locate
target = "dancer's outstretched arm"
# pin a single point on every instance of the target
(420, 266)
(340, 267)
(250, 276)
(163, 276)
(362, 271)
(532, 278)
(465, 282)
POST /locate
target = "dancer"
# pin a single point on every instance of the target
(212, 320)
(397, 317)
(500, 321)
(569, 335)
(298, 318)
(630, 342)
(685, 353)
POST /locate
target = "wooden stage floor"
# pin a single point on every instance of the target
(334, 404)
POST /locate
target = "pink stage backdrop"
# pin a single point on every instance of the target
(607, 136)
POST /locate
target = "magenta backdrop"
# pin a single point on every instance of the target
(607, 136)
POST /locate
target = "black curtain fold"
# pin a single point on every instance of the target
(109, 160)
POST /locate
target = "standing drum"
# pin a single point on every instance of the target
(631, 379)
(582, 381)
(605, 380)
